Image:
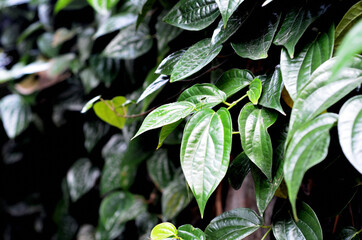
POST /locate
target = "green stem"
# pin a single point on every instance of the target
(235, 102)
(266, 234)
(226, 103)
(235, 132)
(356, 233)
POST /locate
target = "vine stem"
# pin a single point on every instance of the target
(235, 132)
(266, 234)
(235, 102)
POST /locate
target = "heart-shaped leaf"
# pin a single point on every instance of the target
(154, 86)
(254, 92)
(239, 168)
(93, 132)
(167, 64)
(188, 232)
(349, 131)
(112, 111)
(160, 169)
(206, 144)
(163, 230)
(114, 23)
(222, 34)
(234, 80)
(233, 225)
(227, 8)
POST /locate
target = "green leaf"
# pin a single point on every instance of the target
(349, 19)
(90, 103)
(166, 131)
(145, 8)
(256, 44)
(166, 114)
(81, 177)
(227, 8)
(322, 91)
(60, 64)
(160, 169)
(31, 29)
(206, 144)
(233, 225)
(129, 43)
(306, 228)
(194, 59)
(297, 71)
(15, 114)
(61, 4)
(93, 132)
(222, 34)
(193, 15)
(307, 147)
(348, 233)
(167, 65)
(153, 87)
(188, 232)
(19, 70)
(105, 69)
(254, 92)
(234, 80)
(295, 23)
(349, 130)
(111, 111)
(116, 22)
(238, 169)
(272, 91)
(163, 230)
(165, 33)
(255, 140)
(102, 6)
(45, 45)
(203, 95)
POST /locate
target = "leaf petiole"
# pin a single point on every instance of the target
(267, 232)
(236, 102)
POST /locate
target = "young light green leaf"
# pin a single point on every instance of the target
(160, 169)
(349, 131)
(234, 80)
(166, 131)
(307, 147)
(238, 169)
(255, 140)
(193, 15)
(227, 8)
(272, 91)
(61, 4)
(306, 228)
(194, 59)
(233, 225)
(90, 103)
(348, 233)
(167, 64)
(166, 114)
(296, 21)
(165, 33)
(111, 111)
(297, 71)
(206, 143)
(254, 92)
(153, 87)
(203, 95)
(102, 6)
(15, 114)
(188, 232)
(163, 230)
(114, 23)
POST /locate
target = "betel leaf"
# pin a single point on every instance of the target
(81, 177)
(166, 114)
(114, 23)
(203, 95)
(168, 63)
(153, 87)
(61, 4)
(297, 71)
(102, 6)
(193, 15)
(255, 140)
(112, 111)
(166, 131)
(349, 131)
(160, 169)
(145, 7)
(272, 91)
(188, 232)
(254, 91)
(255, 45)
(206, 144)
(15, 114)
(238, 169)
(194, 59)
(163, 230)
(227, 8)
(222, 34)
(348, 233)
(93, 132)
(322, 91)
(296, 21)
(307, 147)
(306, 228)
(129, 43)
(234, 80)
(165, 33)
(233, 225)
(349, 19)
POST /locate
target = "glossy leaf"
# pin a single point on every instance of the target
(266, 3)
(163, 230)
(205, 152)
(255, 140)
(45, 45)
(193, 15)
(295, 23)
(167, 64)
(272, 91)
(194, 59)
(307, 147)
(166, 131)
(227, 8)
(93, 132)
(145, 7)
(348, 233)
(129, 43)
(160, 169)
(153, 87)
(165, 33)
(297, 71)
(81, 177)
(19, 70)
(61, 4)
(188, 232)
(102, 6)
(234, 80)
(15, 114)
(222, 34)
(238, 169)
(203, 95)
(114, 23)
(166, 114)
(90, 103)
(233, 225)
(306, 228)
(254, 92)
(111, 111)
(349, 131)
